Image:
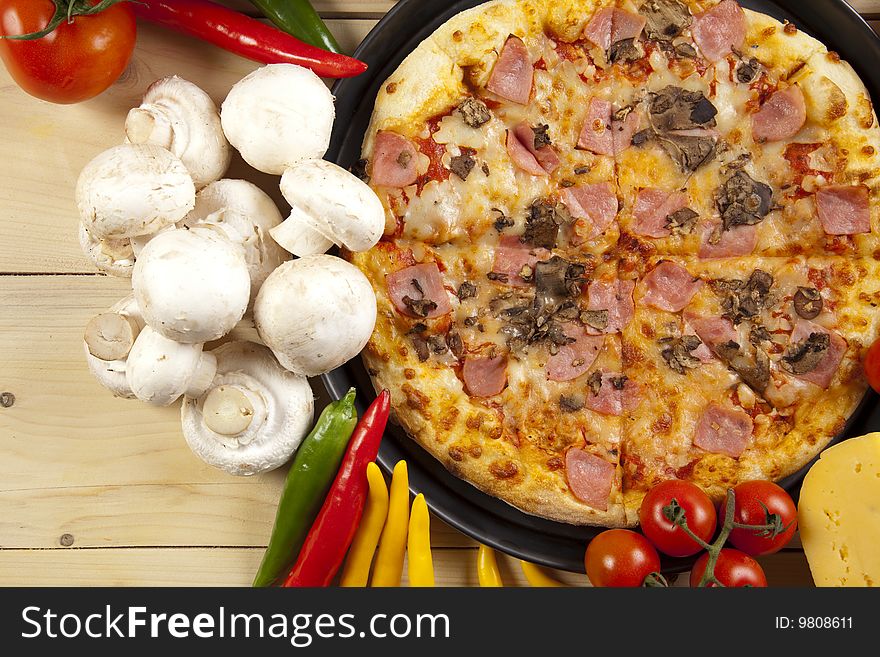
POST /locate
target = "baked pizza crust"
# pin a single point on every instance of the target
(512, 445)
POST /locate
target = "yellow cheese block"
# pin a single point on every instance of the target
(839, 514)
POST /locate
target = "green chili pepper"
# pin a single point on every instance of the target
(299, 18)
(308, 481)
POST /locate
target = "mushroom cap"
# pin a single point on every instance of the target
(315, 313)
(284, 407)
(177, 115)
(160, 370)
(338, 205)
(111, 256)
(133, 189)
(111, 374)
(277, 116)
(191, 285)
(246, 214)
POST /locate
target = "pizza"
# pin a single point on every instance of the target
(626, 241)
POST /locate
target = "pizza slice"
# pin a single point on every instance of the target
(825, 175)
(690, 84)
(738, 355)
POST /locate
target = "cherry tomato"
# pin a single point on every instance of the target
(733, 568)
(750, 495)
(75, 62)
(620, 557)
(872, 365)
(668, 537)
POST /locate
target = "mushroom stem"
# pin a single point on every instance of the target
(298, 235)
(245, 331)
(140, 128)
(227, 410)
(203, 376)
(110, 336)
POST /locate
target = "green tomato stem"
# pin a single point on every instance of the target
(65, 10)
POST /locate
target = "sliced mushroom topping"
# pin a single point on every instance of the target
(619, 382)
(437, 344)
(570, 403)
(677, 353)
(557, 281)
(808, 302)
(462, 165)
(685, 50)
(743, 299)
(667, 19)
(455, 344)
(673, 108)
(805, 356)
(625, 51)
(542, 138)
(503, 221)
(755, 372)
(474, 112)
(680, 120)
(542, 225)
(682, 221)
(689, 152)
(594, 382)
(759, 335)
(421, 307)
(743, 201)
(466, 290)
(597, 319)
(747, 70)
(642, 137)
(420, 344)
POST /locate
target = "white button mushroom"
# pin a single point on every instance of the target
(108, 339)
(177, 115)
(191, 285)
(246, 215)
(160, 370)
(111, 256)
(315, 313)
(133, 189)
(254, 415)
(329, 206)
(277, 116)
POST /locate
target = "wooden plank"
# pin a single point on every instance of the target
(52, 143)
(77, 460)
(235, 567)
(235, 512)
(870, 7)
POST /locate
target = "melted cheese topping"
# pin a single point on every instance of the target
(513, 444)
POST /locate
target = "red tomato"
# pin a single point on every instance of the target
(620, 557)
(872, 365)
(75, 62)
(750, 495)
(668, 537)
(733, 568)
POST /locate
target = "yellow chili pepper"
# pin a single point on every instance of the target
(487, 567)
(418, 545)
(392, 545)
(538, 577)
(363, 547)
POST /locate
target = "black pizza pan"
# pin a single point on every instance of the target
(480, 516)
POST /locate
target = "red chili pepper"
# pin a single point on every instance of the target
(245, 36)
(334, 528)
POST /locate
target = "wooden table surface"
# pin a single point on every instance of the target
(101, 491)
